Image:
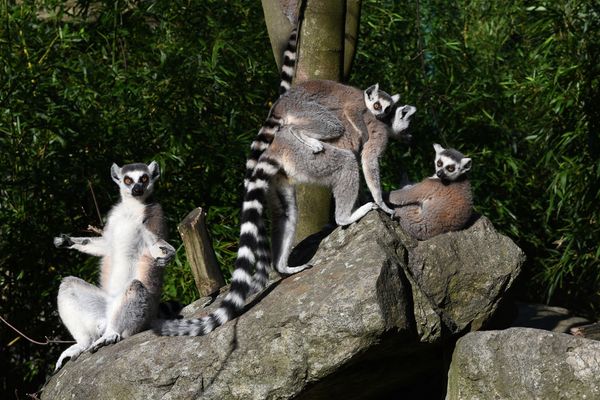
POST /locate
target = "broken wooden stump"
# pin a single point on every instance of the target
(200, 253)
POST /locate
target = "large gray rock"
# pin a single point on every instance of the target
(524, 363)
(366, 321)
(458, 278)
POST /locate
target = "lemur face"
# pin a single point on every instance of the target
(379, 102)
(450, 164)
(136, 180)
(401, 120)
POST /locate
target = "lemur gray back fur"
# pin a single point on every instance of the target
(364, 134)
(133, 254)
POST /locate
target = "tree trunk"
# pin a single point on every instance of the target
(320, 56)
(353, 8)
(280, 16)
(326, 49)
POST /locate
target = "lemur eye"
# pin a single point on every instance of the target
(450, 168)
(128, 180)
(144, 178)
(440, 163)
(387, 109)
(377, 106)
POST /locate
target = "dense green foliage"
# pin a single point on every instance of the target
(515, 85)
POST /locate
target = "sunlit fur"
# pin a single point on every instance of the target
(439, 204)
(133, 255)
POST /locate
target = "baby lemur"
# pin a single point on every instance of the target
(133, 255)
(438, 204)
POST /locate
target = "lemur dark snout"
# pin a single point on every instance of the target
(138, 189)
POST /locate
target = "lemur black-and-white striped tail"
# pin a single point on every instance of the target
(289, 62)
(262, 142)
(253, 251)
(267, 131)
(254, 248)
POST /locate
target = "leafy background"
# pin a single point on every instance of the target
(515, 85)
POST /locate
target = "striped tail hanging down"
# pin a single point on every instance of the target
(252, 250)
(289, 63)
(267, 131)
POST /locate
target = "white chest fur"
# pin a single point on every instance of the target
(124, 235)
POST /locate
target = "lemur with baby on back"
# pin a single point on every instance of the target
(316, 132)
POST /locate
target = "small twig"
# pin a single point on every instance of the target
(48, 341)
(95, 202)
(94, 229)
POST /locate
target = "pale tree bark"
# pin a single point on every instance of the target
(325, 51)
(280, 17)
(351, 34)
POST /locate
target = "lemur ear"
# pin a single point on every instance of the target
(115, 173)
(438, 148)
(372, 89)
(465, 164)
(154, 169)
(395, 98)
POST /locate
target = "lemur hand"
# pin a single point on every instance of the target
(162, 252)
(63, 241)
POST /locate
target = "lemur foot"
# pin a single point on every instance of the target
(293, 270)
(315, 145)
(71, 353)
(385, 208)
(63, 241)
(105, 340)
(316, 148)
(356, 215)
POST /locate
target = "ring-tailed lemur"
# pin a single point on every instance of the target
(387, 109)
(134, 253)
(438, 204)
(380, 103)
(365, 133)
(313, 134)
(286, 162)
